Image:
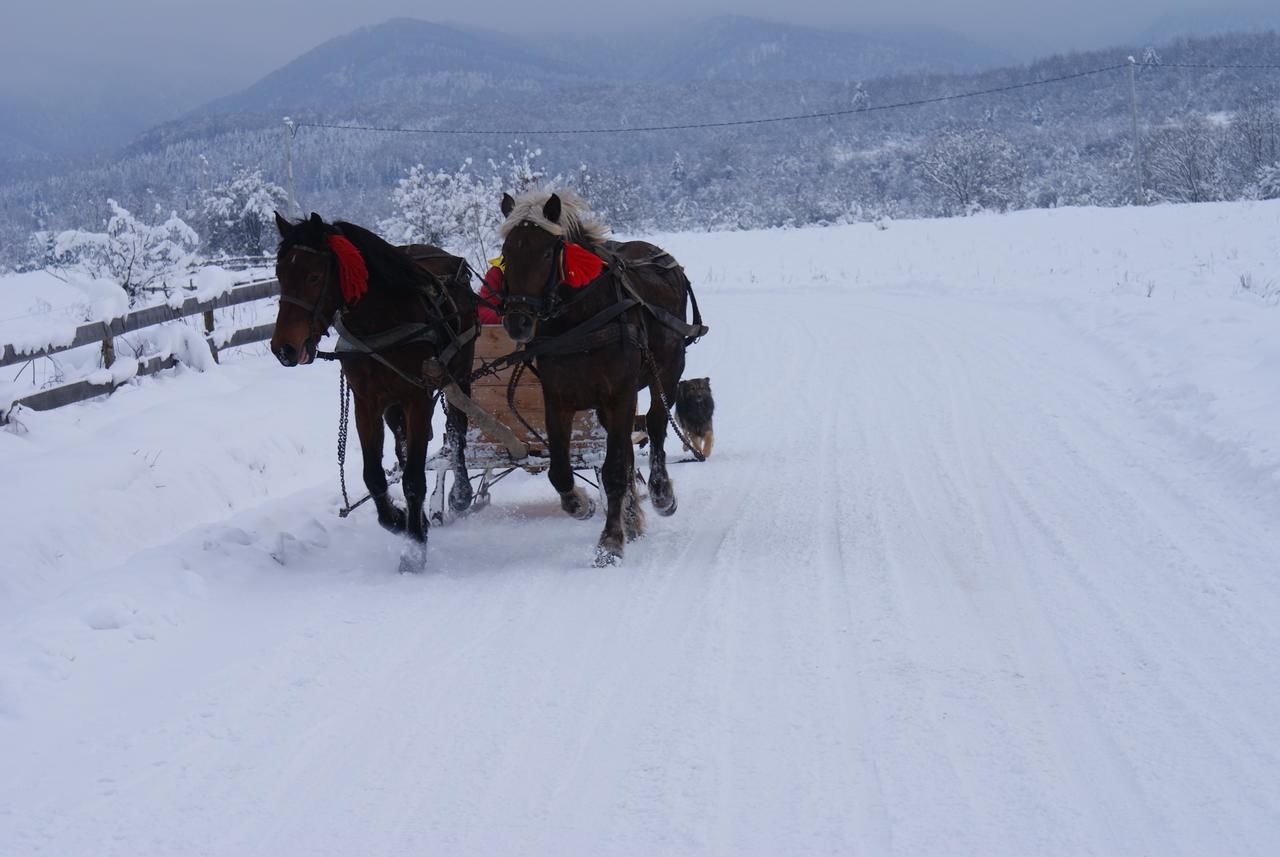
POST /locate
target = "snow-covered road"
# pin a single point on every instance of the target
(955, 581)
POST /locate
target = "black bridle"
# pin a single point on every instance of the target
(316, 309)
(547, 305)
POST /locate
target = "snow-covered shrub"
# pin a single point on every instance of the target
(520, 170)
(1184, 163)
(237, 216)
(974, 168)
(140, 257)
(1268, 182)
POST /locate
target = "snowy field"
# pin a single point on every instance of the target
(985, 563)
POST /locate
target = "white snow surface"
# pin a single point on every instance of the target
(984, 563)
(43, 308)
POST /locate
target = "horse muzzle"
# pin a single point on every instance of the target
(519, 326)
(289, 355)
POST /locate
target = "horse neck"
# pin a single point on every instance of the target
(581, 307)
(383, 307)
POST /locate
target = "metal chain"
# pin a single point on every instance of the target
(666, 407)
(511, 403)
(344, 401)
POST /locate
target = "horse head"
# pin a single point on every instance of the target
(319, 272)
(545, 241)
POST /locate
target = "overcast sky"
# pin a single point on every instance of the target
(198, 49)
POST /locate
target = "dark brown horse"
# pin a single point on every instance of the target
(393, 308)
(597, 337)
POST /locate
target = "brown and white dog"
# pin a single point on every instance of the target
(694, 409)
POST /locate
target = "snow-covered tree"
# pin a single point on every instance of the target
(679, 172)
(1183, 163)
(974, 168)
(859, 98)
(1256, 135)
(455, 210)
(140, 257)
(611, 196)
(1268, 182)
(521, 169)
(238, 215)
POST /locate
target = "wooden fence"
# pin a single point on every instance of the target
(105, 332)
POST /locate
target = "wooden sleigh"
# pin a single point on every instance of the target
(498, 440)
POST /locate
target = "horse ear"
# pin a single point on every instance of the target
(282, 225)
(551, 210)
(507, 204)
(315, 220)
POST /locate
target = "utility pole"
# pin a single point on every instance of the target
(289, 131)
(1139, 196)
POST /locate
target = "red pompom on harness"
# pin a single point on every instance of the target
(581, 266)
(353, 273)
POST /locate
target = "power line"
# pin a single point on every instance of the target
(735, 123)
(1252, 66)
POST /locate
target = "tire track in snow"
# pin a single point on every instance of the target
(885, 620)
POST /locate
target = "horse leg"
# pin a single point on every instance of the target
(456, 428)
(417, 414)
(633, 523)
(395, 421)
(619, 478)
(369, 427)
(573, 500)
(661, 492)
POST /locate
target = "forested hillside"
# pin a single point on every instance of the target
(1207, 133)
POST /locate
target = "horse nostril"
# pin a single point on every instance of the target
(287, 355)
(519, 327)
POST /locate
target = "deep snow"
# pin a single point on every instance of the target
(984, 563)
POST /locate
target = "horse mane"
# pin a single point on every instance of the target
(577, 222)
(388, 265)
(387, 262)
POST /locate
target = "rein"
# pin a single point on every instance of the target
(437, 328)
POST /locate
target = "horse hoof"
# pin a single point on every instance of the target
(665, 511)
(413, 558)
(460, 496)
(578, 504)
(607, 557)
(397, 522)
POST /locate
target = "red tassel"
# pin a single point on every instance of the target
(353, 274)
(581, 266)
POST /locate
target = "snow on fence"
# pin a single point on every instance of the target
(104, 332)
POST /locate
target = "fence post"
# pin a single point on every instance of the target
(208, 332)
(1139, 196)
(288, 166)
(108, 346)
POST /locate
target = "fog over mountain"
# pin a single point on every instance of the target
(1066, 143)
(85, 77)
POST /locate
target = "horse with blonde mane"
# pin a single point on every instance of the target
(601, 321)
